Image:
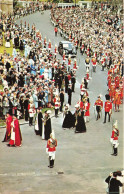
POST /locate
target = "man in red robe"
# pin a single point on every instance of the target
(8, 127)
(16, 138)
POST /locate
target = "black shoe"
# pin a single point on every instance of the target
(114, 154)
(51, 166)
(104, 122)
(3, 141)
(8, 145)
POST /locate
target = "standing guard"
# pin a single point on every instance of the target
(51, 149)
(99, 106)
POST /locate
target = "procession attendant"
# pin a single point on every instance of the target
(49, 46)
(114, 139)
(69, 94)
(8, 127)
(87, 63)
(87, 75)
(47, 128)
(55, 51)
(68, 118)
(45, 42)
(103, 60)
(61, 99)
(31, 109)
(38, 122)
(82, 48)
(80, 123)
(55, 30)
(121, 90)
(109, 79)
(108, 108)
(112, 90)
(69, 62)
(86, 110)
(64, 59)
(51, 149)
(94, 63)
(117, 81)
(16, 137)
(57, 105)
(99, 106)
(117, 99)
(73, 81)
(75, 65)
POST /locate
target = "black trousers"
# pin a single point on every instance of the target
(98, 109)
(108, 117)
(61, 106)
(30, 121)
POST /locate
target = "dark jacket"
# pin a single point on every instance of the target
(114, 185)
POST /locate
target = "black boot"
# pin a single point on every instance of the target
(115, 152)
(51, 163)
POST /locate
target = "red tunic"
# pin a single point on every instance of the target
(99, 103)
(108, 106)
(114, 136)
(8, 127)
(50, 146)
(87, 109)
(117, 97)
(18, 137)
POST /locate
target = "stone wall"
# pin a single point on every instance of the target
(6, 6)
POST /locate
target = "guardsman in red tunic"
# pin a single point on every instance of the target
(99, 106)
(8, 127)
(51, 150)
(69, 62)
(56, 30)
(75, 65)
(49, 46)
(108, 108)
(86, 109)
(55, 51)
(45, 42)
(64, 57)
(117, 99)
(114, 139)
(94, 62)
(57, 105)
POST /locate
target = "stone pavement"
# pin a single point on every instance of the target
(83, 161)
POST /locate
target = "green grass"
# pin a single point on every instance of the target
(9, 50)
(2, 122)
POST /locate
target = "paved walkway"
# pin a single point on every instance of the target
(83, 161)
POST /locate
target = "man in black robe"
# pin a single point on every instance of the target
(40, 116)
(80, 124)
(61, 99)
(26, 102)
(69, 94)
(47, 125)
(73, 81)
